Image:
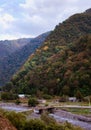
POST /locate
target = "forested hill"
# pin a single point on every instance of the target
(63, 64)
(11, 63)
(9, 46)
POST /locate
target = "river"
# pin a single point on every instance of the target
(14, 107)
(59, 115)
(62, 116)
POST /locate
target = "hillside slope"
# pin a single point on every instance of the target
(5, 124)
(9, 46)
(11, 63)
(63, 64)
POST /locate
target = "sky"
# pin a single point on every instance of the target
(29, 18)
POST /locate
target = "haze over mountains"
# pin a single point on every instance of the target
(62, 65)
(13, 53)
(9, 46)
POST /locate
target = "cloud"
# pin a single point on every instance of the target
(6, 21)
(45, 14)
(16, 36)
(24, 18)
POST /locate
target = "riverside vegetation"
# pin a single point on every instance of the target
(20, 122)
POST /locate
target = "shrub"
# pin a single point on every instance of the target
(48, 119)
(55, 127)
(17, 102)
(34, 125)
(17, 119)
(46, 96)
(8, 96)
(64, 98)
(32, 102)
(46, 122)
(79, 95)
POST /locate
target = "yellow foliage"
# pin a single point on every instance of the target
(45, 48)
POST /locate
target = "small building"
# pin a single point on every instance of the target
(72, 99)
(42, 101)
(21, 95)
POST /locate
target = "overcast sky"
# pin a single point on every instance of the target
(28, 18)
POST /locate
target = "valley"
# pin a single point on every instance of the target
(62, 65)
(45, 82)
(11, 62)
(59, 114)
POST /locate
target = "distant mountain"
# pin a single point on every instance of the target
(9, 46)
(88, 11)
(11, 63)
(62, 65)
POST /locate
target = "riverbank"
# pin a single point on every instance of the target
(59, 114)
(78, 120)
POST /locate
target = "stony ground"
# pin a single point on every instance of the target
(82, 121)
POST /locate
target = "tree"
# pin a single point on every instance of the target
(79, 96)
(17, 119)
(32, 102)
(8, 87)
(9, 96)
(17, 102)
(66, 90)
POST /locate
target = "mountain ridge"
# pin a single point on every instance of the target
(9, 46)
(11, 63)
(62, 64)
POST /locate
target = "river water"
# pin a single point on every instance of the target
(13, 107)
(59, 115)
(62, 116)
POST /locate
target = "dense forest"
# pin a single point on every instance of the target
(62, 65)
(15, 58)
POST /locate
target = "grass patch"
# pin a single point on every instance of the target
(79, 111)
(26, 113)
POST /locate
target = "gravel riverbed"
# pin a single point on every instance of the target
(59, 115)
(82, 121)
